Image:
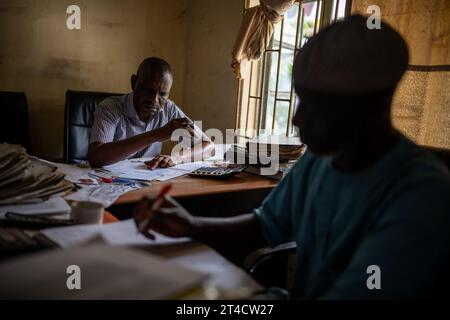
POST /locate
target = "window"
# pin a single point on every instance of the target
(267, 99)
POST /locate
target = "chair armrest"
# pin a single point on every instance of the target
(254, 259)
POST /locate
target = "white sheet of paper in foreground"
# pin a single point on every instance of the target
(105, 273)
(123, 233)
(52, 206)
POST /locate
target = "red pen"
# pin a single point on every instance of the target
(106, 180)
(156, 204)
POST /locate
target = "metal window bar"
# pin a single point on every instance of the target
(300, 16)
(326, 14)
(316, 17)
(265, 92)
(260, 87)
(348, 7)
(248, 100)
(240, 93)
(264, 84)
(277, 77)
(336, 11)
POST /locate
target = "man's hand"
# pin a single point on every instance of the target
(161, 161)
(171, 219)
(164, 133)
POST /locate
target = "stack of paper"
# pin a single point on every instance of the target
(26, 179)
(285, 148)
(278, 174)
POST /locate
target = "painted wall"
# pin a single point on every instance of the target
(421, 106)
(40, 56)
(210, 91)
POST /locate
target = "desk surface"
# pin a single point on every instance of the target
(186, 186)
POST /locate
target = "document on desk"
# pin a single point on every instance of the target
(123, 233)
(136, 169)
(55, 205)
(106, 194)
(106, 273)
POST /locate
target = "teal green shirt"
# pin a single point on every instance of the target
(394, 214)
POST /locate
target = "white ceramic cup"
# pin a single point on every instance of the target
(86, 212)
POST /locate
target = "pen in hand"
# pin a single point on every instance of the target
(155, 206)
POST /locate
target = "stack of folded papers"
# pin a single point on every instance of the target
(278, 174)
(286, 148)
(24, 179)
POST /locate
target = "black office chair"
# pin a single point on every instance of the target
(78, 120)
(14, 123)
(271, 267)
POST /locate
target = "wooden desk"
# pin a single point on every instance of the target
(189, 186)
(205, 197)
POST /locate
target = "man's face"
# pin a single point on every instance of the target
(327, 126)
(151, 91)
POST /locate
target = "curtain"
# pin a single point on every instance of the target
(421, 106)
(256, 31)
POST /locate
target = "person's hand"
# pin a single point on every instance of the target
(171, 219)
(161, 161)
(164, 133)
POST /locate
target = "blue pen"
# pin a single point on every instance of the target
(123, 180)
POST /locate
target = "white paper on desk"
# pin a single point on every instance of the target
(74, 173)
(54, 205)
(123, 233)
(106, 194)
(106, 273)
(136, 169)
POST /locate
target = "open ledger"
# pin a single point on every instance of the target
(105, 272)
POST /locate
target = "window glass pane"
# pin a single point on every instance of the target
(293, 131)
(307, 26)
(255, 78)
(251, 116)
(269, 88)
(285, 76)
(281, 117)
(338, 9)
(275, 41)
(290, 26)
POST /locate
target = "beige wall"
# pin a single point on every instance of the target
(210, 91)
(421, 107)
(423, 23)
(40, 56)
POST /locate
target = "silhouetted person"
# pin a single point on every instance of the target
(363, 194)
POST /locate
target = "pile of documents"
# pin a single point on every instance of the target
(282, 170)
(24, 179)
(287, 148)
(264, 150)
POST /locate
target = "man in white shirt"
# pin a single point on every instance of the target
(136, 124)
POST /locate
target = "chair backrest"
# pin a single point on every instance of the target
(78, 120)
(14, 122)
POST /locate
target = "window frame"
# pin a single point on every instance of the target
(255, 106)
